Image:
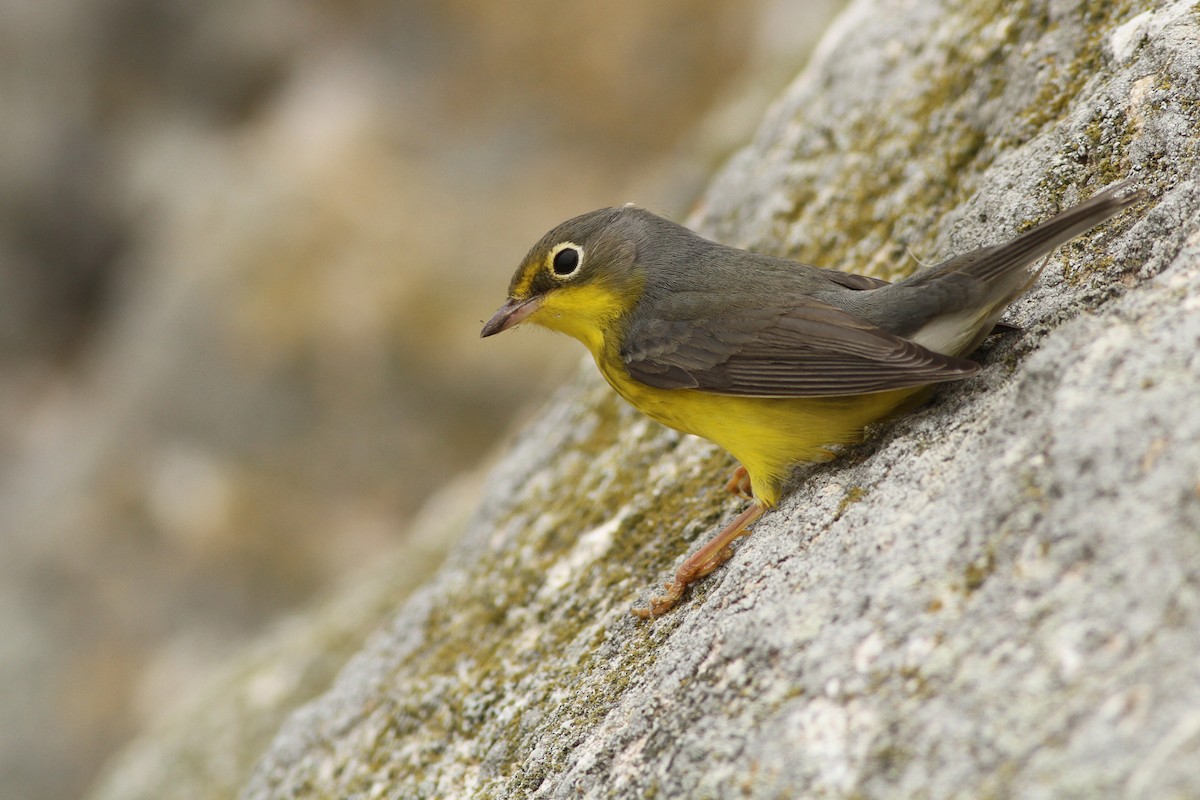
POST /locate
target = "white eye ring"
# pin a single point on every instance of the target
(566, 266)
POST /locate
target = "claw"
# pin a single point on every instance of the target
(739, 483)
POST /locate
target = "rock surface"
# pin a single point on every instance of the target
(243, 251)
(996, 596)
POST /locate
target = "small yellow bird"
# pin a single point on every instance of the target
(771, 359)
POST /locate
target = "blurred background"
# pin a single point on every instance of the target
(245, 252)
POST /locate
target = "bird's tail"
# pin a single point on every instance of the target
(950, 307)
(992, 264)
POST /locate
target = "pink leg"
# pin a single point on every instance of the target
(702, 562)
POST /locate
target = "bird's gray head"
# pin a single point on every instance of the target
(582, 272)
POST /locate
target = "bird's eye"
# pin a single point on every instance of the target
(566, 259)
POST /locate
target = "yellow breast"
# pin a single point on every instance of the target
(768, 435)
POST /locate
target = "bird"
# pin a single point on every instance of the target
(773, 360)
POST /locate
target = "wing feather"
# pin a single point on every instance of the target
(797, 347)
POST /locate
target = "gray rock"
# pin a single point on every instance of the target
(206, 744)
(998, 595)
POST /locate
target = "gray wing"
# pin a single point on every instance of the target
(798, 348)
(851, 280)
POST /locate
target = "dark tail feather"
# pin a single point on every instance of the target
(991, 263)
(1038, 241)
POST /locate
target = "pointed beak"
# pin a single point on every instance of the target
(513, 312)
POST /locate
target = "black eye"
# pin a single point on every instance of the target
(566, 261)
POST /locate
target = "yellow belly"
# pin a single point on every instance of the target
(768, 435)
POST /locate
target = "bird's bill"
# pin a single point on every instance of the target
(513, 312)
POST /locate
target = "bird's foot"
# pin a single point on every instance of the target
(739, 483)
(716, 552)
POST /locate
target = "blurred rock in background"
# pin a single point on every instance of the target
(245, 250)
